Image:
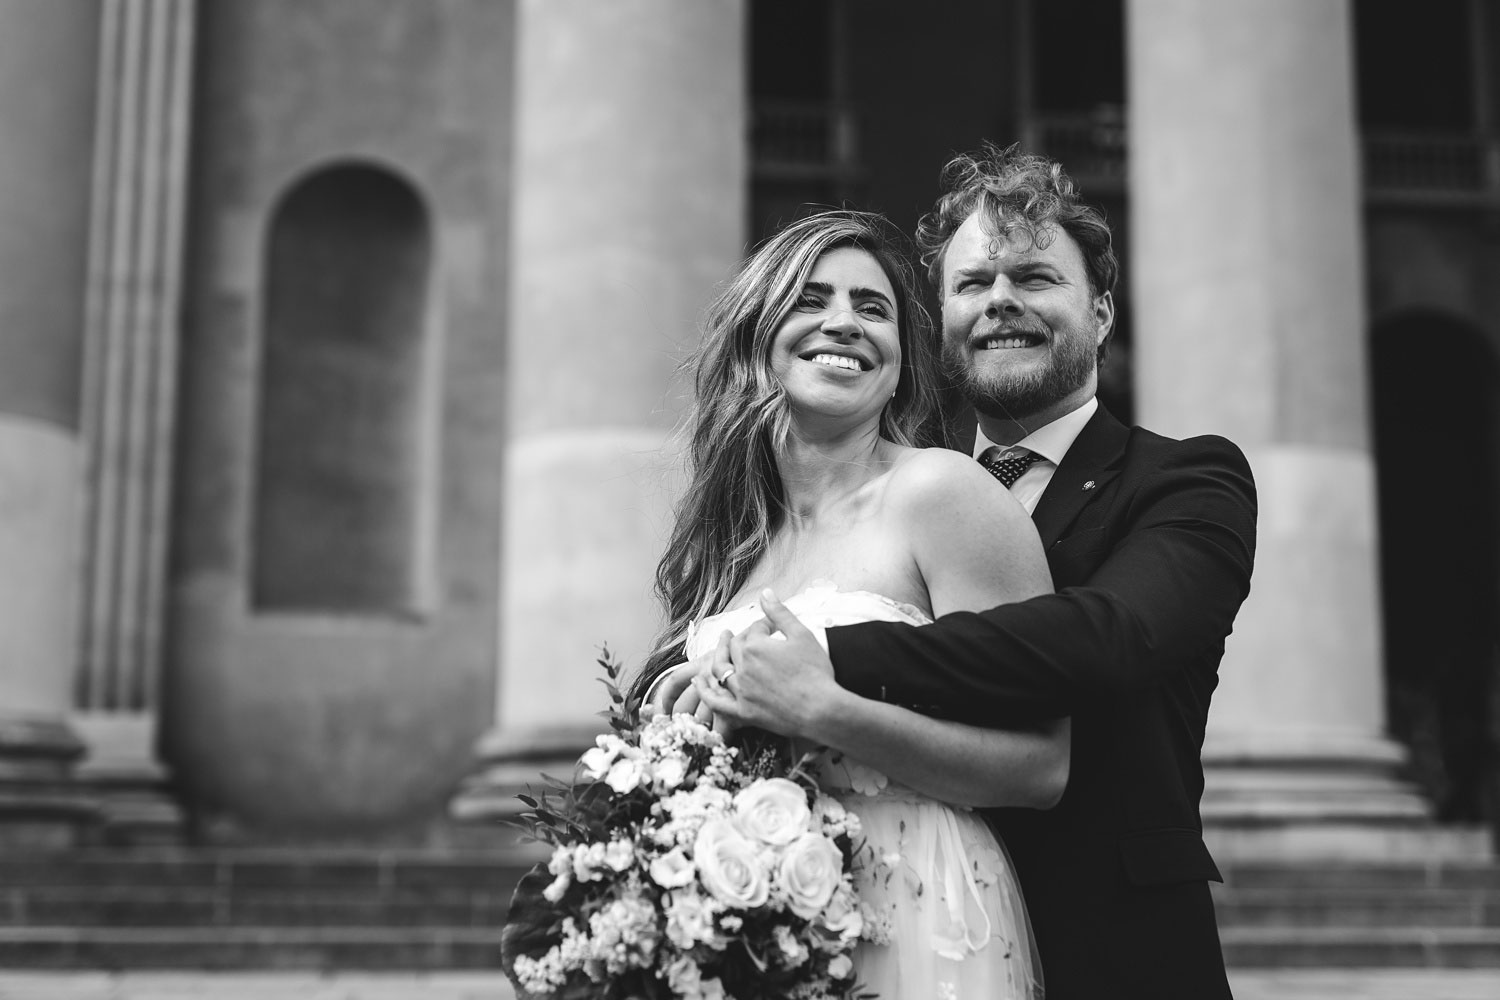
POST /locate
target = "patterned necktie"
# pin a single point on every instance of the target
(1008, 470)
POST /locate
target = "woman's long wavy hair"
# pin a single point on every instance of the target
(740, 420)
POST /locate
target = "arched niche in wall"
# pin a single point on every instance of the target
(1436, 402)
(338, 487)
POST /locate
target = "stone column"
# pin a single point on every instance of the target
(47, 78)
(629, 207)
(1248, 267)
(130, 371)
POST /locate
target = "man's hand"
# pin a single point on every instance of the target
(779, 682)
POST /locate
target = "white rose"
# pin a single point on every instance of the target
(672, 870)
(625, 775)
(842, 916)
(810, 870)
(728, 866)
(773, 811)
(840, 967)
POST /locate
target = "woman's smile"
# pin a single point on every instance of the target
(838, 351)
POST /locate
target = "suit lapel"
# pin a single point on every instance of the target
(1091, 462)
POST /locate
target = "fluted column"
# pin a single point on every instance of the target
(1249, 299)
(47, 79)
(629, 205)
(130, 374)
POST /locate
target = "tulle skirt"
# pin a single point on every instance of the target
(941, 888)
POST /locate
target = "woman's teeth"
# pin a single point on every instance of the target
(837, 361)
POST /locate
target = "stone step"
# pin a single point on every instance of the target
(1361, 947)
(287, 869)
(118, 906)
(321, 948)
(1439, 874)
(1351, 908)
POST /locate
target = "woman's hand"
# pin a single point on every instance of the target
(774, 675)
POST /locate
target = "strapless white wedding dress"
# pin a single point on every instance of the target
(934, 875)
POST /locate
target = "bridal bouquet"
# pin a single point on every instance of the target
(685, 867)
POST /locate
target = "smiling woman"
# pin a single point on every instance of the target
(836, 284)
(838, 352)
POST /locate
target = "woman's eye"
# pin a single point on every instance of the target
(875, 309)
(808, 302)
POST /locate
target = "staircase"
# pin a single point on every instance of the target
(376, 910)
(1360, 914)
(257, 909)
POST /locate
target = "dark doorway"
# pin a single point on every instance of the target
(1436, 401)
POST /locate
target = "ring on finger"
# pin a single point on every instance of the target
(724, 677)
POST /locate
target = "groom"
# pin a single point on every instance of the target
(1150, 543)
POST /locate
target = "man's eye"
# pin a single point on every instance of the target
(968, 284)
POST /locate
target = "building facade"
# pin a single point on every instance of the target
(341, 340)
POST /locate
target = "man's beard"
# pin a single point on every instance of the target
(1018, 395)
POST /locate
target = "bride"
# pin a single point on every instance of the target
(816, 372)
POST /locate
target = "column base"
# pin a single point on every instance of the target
(41, 805)
(512, 761)
(1321, 796)
(130, 785)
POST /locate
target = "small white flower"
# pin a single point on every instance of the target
(557, 887)
(668, 772)
(792, 950)
(840, 967)
(619, 855)
(690, 919)
(672, 870)
(588, 860)
(844, 915)
(625, 775)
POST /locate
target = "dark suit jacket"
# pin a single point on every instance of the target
(1150, 542)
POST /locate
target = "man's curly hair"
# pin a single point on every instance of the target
(1021, 196)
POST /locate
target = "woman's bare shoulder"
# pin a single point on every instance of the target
(935, 479)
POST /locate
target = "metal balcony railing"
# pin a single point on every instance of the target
(821, 141)
(1417, 168)
(803, 140)
(1090, 145)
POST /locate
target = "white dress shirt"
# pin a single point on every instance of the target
(1051, 441)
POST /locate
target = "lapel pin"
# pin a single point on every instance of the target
(1089, 485)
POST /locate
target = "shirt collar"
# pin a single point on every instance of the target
(1051, 441)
